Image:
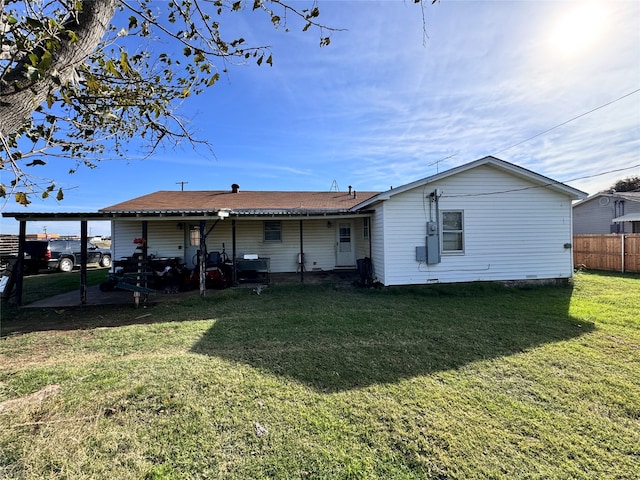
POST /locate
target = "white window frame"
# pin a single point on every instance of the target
(444, 231)
(269, 230)
(366, 226)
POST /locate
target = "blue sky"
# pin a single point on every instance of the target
(380, 107)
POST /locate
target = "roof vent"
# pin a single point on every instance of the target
(235, 188)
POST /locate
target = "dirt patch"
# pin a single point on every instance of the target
(29, 401)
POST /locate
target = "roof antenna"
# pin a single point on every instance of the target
(437, 162)
(334, 187)
(181, 185)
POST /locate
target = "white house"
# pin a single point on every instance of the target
(483, 221)
(486, 220)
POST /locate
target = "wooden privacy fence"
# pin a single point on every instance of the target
(617, 252)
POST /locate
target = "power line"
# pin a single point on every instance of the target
(437, 162)
(569, 121)
(602, 173)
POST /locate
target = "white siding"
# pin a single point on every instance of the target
(164, 238)
(518, 234)
(378, 243)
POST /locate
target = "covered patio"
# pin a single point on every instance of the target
(17, 272)
(94, 296)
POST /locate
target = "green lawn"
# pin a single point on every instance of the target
(441, 381)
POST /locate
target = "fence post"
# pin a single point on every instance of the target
(622, 236)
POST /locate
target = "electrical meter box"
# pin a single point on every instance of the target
(432, 243)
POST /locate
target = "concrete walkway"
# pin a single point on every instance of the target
(97, 297)
(118, 297)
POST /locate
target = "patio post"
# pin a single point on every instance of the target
(83, 265)
(301, 254)
(234, 279)
(19, 269)
(202, 258)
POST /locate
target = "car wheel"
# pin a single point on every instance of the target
(106, 261)
(65, 265)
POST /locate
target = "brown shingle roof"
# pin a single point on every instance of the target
(242, 202)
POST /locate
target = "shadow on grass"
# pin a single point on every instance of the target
(340, 340)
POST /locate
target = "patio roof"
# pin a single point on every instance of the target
(629, 217)
(166, 203)
(240, 203)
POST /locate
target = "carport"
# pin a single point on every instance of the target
(23, 218)
(83, 219)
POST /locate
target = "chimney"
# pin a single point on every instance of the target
(235, 188)
(349, 189)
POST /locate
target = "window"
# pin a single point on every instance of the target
(272, 231)
(194, 235)
(365, 227)
(452, 232)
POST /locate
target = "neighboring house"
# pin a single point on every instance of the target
(486, 220)
(607, 212)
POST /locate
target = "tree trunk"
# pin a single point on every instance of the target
(17, 105)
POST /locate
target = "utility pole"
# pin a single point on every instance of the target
(181, 185)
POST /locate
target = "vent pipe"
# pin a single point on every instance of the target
(235, 188)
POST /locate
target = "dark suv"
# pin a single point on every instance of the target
(35, 256)
(63, 255)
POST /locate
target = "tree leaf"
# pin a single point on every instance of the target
(35, 162)
(60, 195)
(214, 78)
(45, 61)
(92, 84)
(73, 38)
(22, 198)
